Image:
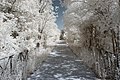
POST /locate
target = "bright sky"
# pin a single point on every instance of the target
(58, 8)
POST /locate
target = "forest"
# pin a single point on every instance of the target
(28, 34)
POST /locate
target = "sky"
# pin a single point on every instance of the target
(58, 8)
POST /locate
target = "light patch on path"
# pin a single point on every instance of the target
(54, 54)
(78, 60)
(57, 75)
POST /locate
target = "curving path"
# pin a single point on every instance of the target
(63, 65)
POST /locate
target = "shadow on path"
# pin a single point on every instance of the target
(63, 65)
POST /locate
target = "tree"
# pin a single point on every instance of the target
(91, 25)
(24, 26)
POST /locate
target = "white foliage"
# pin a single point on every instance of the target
(22, 27)
(89, 26)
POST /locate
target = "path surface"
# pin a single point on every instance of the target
(63, 65)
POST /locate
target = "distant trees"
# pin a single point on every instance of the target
(62, 35)
(93, 27)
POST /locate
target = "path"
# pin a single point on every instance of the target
(63, 65)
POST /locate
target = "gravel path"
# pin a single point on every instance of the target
(63, 65)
